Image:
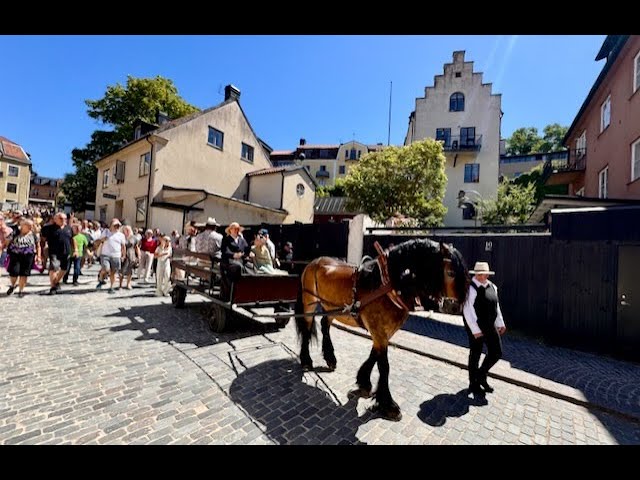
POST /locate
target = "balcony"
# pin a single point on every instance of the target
(457, 143)
(323, 174)
(567, 170)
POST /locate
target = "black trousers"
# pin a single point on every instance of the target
(491, 338)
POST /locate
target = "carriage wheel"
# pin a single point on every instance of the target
(178, 296)
(217, 318)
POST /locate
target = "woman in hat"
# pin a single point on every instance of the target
(484, 324)
(234, 250)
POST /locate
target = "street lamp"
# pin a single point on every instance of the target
(465, 202)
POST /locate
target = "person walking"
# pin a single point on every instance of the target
(148, 247)
(163, 272)
(132, 256)
(58, 237)
(484, 324)
(79, 243)
(23, 250)
(112, 254)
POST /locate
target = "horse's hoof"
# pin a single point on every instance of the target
(360, 392)
(391, 412)
(307, 367)
(332, 365)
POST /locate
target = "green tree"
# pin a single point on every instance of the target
(535, 177)
(121, 105)
(514, 204)
(524, 140)
(409, 180)
(336, 190)
(553, 135)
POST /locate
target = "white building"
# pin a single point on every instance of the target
(461, 111)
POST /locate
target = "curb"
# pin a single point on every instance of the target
(513, 381)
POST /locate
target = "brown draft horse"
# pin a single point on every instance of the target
(417, 268)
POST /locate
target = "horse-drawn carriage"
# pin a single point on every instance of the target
(251, 296)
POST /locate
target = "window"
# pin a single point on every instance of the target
(103, 214)
(346, 154)
(444, 135)
(35, 192)
(359, 153)
(468, 136)
(603, 183)
(580, 193)
(352, 154)
(12, 188)
(138, 133)
(323, 168)
(247, 152)
(141, 209)
(458, 74)
(105, 178)
(300, 190)
(52, 194)
(456, 102)
(120, 168)
(216, 138)
(13, 171)
(322, 182)
(468, 211)
(581, 144)
(472, 173)
(605, 114)
(636, 72)
(342, 169)
(635, 160)
(145, 164)
(324, 153)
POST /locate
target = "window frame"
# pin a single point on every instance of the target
(215, 130)
(144, 215)
(607, 101)
(475, 167)
(466, 136)
(635, 157)
(15, 185)
(581, 146)
(604, 171)
(447, 136)
(300, 189)
(106, 174)
(342, 169)
(9, 171)
(250, 152)
(636, 72)
(141, 170)
(458, 104)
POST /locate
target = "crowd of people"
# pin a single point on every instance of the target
(65, 246)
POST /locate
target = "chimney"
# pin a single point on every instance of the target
(303, 141)
(231, 93)
(458, 56)
(162, 117)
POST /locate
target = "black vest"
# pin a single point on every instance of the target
(486, 304)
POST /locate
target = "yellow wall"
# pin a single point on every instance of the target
(22, 181)
(265, 190)
(226, 211)
(300, 209)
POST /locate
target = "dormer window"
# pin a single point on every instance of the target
(137, 133)
(456, 102)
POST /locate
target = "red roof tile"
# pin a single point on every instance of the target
(13, 150)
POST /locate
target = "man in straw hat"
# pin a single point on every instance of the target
(484, 324)
(234, 250)
(210, 241)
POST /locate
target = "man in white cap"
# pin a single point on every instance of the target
(484, 324)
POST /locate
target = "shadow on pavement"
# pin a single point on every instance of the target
(435, 412)
(164, 323)
(602, 380)
(273, 393)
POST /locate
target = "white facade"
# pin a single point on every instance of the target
(450, 119)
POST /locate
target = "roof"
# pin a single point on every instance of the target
(282, 152)
(310, 147)
(13, 151)
(610, 50)
(332, 206)
(290, 168)
(550, 202)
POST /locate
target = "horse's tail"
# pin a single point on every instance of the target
(304, 325)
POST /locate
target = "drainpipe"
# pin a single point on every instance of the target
(282, 192)
(146, 213)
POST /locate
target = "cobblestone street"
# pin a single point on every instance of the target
(86, 367)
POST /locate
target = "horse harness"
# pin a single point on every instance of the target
(357, 304)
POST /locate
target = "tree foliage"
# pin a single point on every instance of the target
(514, 204)
(406, 180)
(336, 190)
(121, 105)
(527, 140)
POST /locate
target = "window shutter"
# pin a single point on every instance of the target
(636, 160)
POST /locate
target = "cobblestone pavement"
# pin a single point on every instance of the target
(88, 367)
(602, 380)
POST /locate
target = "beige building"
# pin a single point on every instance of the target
(465, 115)
(192, 168)
(15, 175)
(325, 163)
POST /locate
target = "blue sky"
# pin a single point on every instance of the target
(323, 88)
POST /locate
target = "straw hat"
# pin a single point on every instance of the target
(233, 225)
(481, 268)
(211, 222)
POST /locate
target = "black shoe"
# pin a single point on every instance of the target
(20, 294)
(75, 284)
(53, 291)
(476, 390)
(483, 383)
(58, 287)
(10, 290)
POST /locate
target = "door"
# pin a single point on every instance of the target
(628, 300)
(119, 208)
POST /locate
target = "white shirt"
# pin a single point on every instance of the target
(272, 248)
(112, 246)
(470, 312)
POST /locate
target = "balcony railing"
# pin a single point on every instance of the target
(323, 174)
(573, 164)
(457, 143)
